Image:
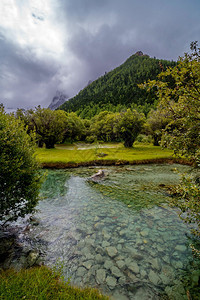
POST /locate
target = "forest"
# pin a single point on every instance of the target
(118, 89)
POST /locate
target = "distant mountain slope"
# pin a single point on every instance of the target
(57, 100)
(119, 86)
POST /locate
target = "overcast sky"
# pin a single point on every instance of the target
(49, 45)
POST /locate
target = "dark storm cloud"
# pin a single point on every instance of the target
(97, 37)
(159, 28)
(23, 78)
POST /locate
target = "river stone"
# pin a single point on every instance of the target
(105, 244)
(87, 264)
(178, 264)
(112, 251)
(81, 271)
(136, 256)
(119, 247)
(145, 232)
(85, 251)
(32, 257)
(100, 276)
(181, 248)
(132, 277)
(92, 270)
(143, 273)
(153, 277)
(118, 296)
(122, 280)
(134, 267)
(155, 264)
(108, 264)
(100, 250)
(111, 282)
(145, 293)
(116, 272)
(121, 264)
(89, 241)
(89, 256)
(99, 258)
(165, 279)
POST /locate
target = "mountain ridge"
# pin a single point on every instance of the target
(119, 87)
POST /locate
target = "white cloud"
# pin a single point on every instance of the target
(30, 24)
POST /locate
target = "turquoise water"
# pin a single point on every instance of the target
(119, 234)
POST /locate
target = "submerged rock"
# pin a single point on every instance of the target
(98, 176)
(112, 251)
(111, 282)
(100, 276)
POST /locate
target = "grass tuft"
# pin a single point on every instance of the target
(41, 283)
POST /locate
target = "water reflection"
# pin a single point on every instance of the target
(118, 235)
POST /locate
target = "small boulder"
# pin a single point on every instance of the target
(98, 176)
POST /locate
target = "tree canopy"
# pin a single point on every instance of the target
(49, 125)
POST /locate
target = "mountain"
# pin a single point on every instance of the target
(118, 89)
(58, 100)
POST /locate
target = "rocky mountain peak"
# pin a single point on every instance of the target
(58, 100)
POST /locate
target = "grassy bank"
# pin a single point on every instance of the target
(83, 154)
(41, 283)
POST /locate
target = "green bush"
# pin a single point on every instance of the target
(19, 174)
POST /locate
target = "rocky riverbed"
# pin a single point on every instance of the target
(129, 249)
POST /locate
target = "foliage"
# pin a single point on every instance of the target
(41, 283)
(129, 125)
(74, 127)
(118, 90)
(178, 91)
(111, 127)
(25, 116)
(19, 177)
(102, 126)
(156, 122)
(188, 192)
(50, 125)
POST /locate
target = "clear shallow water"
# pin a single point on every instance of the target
(119, 234)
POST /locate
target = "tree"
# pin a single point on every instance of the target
(50, 125)
(19, 175)
(102, 126)
(178, 91)
(129, 125)
(74, 127)
(156, 122)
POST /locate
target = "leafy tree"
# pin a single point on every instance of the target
(74, 127)
(19, 176)
(156, 122)
(50, 125)
(178, 91)
(102, 126)
(129, 125)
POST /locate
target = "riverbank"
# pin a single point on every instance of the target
(85, 155)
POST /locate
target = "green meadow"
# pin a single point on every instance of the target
(81, 153)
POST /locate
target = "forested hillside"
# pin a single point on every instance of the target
(119, 89)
